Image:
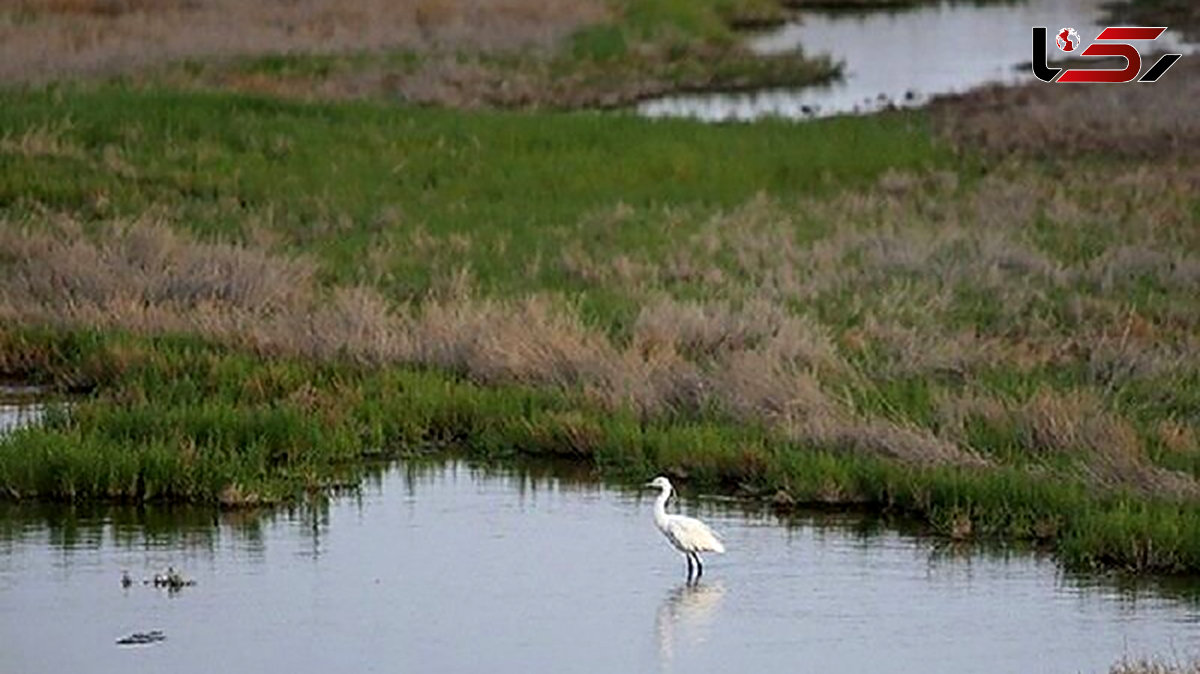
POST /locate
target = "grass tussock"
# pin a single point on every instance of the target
(42, 141)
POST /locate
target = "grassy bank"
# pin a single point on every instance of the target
(460, 53)
(258, 294)
(175, 419)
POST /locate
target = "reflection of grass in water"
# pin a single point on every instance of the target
(81, 525)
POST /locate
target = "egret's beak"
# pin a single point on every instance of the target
(648, 484)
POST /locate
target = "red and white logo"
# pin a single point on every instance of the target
(1067, 39)
(1111, 41)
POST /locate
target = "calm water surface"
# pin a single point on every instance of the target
(21, 406)
(455, 569)
(904, 57)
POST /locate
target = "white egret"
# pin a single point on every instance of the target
(690, 536)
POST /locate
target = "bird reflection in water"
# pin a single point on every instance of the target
(684, 617)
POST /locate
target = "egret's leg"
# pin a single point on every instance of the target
(699, 566)
(688, 557)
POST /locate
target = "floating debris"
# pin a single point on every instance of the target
(142, 638)
(170, 579)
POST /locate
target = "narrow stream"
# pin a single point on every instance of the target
(902, 58)
(449, 568)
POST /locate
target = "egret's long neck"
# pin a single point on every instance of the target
(660, 507)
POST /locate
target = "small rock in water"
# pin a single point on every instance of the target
(126, 581)
(142, 638)
(172, 579)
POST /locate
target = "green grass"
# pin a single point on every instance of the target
(216, 161)
(188, 422)
(917, 241)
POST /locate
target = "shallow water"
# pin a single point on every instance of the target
(453, 569)
(902, 58)
(21, 406)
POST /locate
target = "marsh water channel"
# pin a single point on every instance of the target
(446, 567)
(904, 57)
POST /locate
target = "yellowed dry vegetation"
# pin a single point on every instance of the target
(43, 39)
(902, 258)
(1156, 122)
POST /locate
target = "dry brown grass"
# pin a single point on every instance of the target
(918, 279)
(457, 53)
(105, 8)
(1076, 423)
(708, 330)
(946, 280)
(646, 70)
(1147, 666)
(1177, 437)
(41, 39)
(144, 266)
(943, 282)
(1123, 266)
(45, 140)
(946, 283)
(1072, 425)
(1156, 121)
(143, 276)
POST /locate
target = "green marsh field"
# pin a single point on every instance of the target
(983, 314)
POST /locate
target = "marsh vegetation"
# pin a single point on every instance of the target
(462, 53)
(937, 314)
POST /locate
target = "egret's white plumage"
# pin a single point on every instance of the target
(689, 535)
